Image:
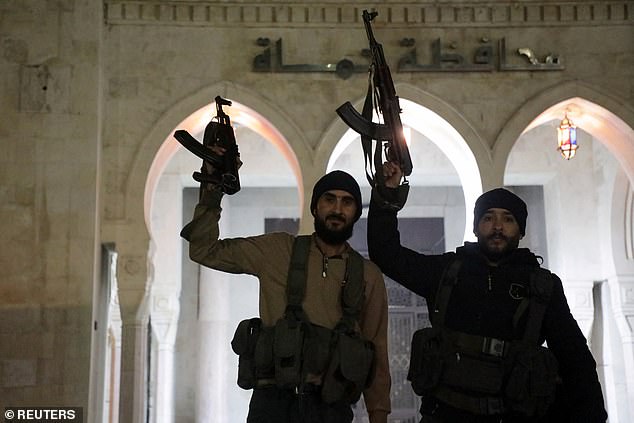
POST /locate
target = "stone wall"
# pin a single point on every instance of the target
(50, 138)
(90, 90)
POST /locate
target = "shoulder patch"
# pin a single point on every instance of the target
(518, 291)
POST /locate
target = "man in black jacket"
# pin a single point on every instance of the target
(492, 307)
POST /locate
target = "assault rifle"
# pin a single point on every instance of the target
(388, 135)
(217, 169)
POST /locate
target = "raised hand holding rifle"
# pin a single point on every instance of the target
(389, 135)
(219, 151)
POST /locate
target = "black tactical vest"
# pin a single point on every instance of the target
(484, 375)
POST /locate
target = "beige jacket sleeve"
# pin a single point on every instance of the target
(374, 323)
(236, 255)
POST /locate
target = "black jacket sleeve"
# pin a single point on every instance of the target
(581, 399)
(415, 271)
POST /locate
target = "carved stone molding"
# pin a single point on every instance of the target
(629, 224)
(627, 295)
(405, 14)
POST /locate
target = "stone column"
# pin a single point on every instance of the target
(132, 398)
(131, 277)
(114, 388)
(164, 325)
(113, 361)
(622, 290)
(213, 337)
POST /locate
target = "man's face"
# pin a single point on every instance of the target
(334, 216)
(498, 233)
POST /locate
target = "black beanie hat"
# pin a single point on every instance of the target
(337, 179)
(502, 199)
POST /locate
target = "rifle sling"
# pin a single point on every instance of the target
(366, 140)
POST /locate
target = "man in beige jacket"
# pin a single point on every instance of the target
(336, 206)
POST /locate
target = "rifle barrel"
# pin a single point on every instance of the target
(367, 18)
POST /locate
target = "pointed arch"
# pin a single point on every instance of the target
(248, 109)
(605, 117)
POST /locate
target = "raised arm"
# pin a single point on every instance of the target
(235, 255)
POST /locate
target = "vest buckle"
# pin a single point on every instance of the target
(493, 346)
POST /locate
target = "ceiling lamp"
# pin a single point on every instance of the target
(567, 138)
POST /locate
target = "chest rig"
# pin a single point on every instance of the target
(485, 375)
(295, 352)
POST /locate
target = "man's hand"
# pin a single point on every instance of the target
(208, 168)
(392, 174)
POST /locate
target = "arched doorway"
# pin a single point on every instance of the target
(193, 311)
(583, 207)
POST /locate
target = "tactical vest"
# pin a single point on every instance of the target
(484, 375)
(294, 348)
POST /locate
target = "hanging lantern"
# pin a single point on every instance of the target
(567, 138)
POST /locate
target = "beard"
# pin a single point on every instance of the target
(496, 253)
(332, 236)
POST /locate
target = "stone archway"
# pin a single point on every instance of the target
(594, 251)
(166, 219)
(604, 116)
(267, 120)
(150, 289)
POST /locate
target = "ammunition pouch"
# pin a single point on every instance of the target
(264, 365)
(426, 360)
(287, 353)
(475, 363)
(317, 345)
(487, 380)
(532, 381)
(475, 374)
(244, 344)
(290, 350)
(485, 375)
(350, 371)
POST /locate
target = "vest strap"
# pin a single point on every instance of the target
(352, 297)
(447, 282)
(296, 279)
(542, 287)
(476, 344)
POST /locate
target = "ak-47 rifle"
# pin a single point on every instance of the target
(217, 169)
(389, 134)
